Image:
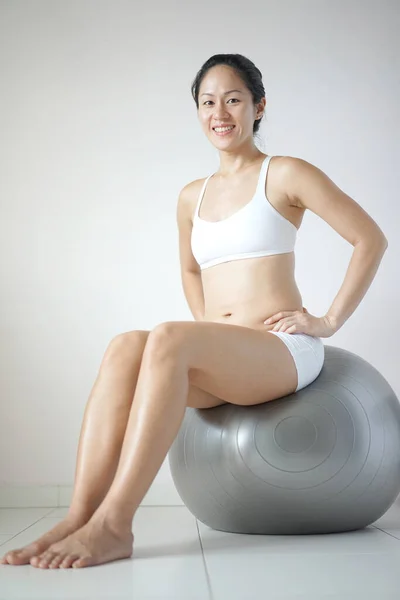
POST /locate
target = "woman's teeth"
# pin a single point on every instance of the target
(223, 130)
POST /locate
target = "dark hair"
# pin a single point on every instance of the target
(245, 68)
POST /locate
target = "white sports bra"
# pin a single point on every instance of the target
(256, 229)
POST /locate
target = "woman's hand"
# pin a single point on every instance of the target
(297, 321)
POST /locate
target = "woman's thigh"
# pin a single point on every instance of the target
(130, 346)
(231, 363)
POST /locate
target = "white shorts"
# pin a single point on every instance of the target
(308, 354)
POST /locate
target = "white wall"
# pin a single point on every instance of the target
(98, 135)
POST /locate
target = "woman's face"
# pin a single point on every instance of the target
(217, 107)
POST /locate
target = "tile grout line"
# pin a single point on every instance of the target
(24, 529)
(384, 531)
(212, 597)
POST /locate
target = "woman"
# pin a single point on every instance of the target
(237, 231)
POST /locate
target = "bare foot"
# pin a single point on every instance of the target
(59, 532)
(94, 544)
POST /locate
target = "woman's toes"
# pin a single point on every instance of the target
(44, 559)
(68, 560)
(9, 557)
(44, 563)
(86, 561)
(16, 557)
(39, 558)
(20, 557)
(35, 560)
(55, 563)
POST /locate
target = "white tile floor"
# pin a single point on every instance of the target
(176, 557)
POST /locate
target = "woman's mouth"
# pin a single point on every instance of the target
(221, 131)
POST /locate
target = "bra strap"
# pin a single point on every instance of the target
(203, 189)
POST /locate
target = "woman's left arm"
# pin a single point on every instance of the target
(309, 187)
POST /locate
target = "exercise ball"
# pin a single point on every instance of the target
(325, 459)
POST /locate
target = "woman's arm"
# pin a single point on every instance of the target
(311, 188)
(190, 270)
(193, 289)
(360, 273)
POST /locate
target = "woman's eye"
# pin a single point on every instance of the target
(205, 103)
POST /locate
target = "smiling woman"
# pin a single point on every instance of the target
(237, 234)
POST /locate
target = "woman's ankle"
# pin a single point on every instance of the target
(80, 516)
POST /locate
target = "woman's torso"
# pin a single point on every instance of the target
(247, 291)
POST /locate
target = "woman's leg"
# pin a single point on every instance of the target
(105, 420)
(103, 429)
(231, 363)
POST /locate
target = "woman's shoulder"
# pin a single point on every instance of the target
(190, 193)
(193, 188)
(188, 197)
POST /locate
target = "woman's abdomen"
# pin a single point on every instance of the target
(249, 291)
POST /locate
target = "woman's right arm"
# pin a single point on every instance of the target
(190, 270)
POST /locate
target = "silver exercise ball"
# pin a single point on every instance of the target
(324, 459)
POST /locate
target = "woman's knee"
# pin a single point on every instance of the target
(127, 345)
(166, 339)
